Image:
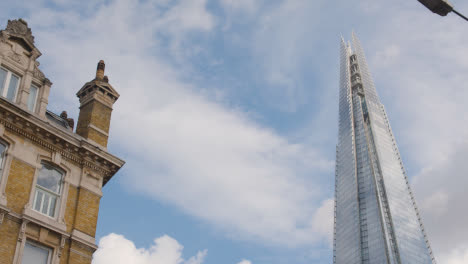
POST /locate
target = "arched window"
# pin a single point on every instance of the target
(48, 190)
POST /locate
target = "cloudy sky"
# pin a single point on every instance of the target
(228, 118)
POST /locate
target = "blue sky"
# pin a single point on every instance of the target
(228, 118)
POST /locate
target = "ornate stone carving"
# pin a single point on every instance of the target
(16, 57)
(3, 37)
(20, 27)
(36, 72)
(62, 245)
(2, 215)
(47, 82)
(22, 230)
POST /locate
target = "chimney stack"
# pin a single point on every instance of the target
(97, 98)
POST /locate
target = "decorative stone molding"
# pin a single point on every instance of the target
(3, 37)
(22, 233)
(45, 221)
(38, 73)
(83, 238)
(62, 245)
(18, 58)
(47, 82)
(20, 27)
(3, 212)
(76, 152)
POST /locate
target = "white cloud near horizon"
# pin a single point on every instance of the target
(117, 249)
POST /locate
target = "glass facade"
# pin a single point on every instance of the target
(376, 218)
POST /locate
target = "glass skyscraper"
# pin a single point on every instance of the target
(376, 218)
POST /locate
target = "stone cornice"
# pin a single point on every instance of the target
(71, 146)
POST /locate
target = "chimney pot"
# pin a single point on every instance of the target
(100, 70)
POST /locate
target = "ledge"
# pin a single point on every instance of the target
(84, 238)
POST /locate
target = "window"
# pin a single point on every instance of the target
(36, 254)
(48, 188)
(8, 84)
(3, 147)
(33, 91)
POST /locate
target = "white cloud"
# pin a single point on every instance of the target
(457, 255)
(189, 150)
(243, 5)
(185, 16)
(245, 262)
(117, 249)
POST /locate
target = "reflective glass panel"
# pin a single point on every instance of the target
(33, 254)
(3, 76)
(50, 178)
(13, 85)
(32, 98)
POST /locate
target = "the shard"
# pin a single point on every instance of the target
(376, 218)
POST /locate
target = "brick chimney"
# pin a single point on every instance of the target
(96, 100)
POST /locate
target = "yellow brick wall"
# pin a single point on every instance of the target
(98, 115)
(84, 119)
(80, 254)
(97, 137)
(65, 253)
(87, 212)
(9, 231)
(19, 185)
(101, 116)
(70, 210)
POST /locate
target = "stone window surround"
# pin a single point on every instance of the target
(6, 88)
(57, 222)
(8, 157)
(23, 237)
(27, 79)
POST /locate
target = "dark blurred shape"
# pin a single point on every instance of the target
(440, 7)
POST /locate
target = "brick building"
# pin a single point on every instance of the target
(50, 177)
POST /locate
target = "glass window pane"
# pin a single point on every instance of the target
(53, 201)
(32, 97)
(3, 75)
(45, 205)
(37, 205)
(33, 254)
(49, 178)
(12, 87)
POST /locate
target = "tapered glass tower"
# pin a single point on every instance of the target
(376, 218)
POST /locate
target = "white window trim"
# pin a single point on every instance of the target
(5, 166)
(35, 99)
(44, 192)
(6, 84)
(59, 196)
(57, 222)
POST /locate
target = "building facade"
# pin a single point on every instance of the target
(376, 218)
(51, 178)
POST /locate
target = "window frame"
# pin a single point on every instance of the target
(50, 250)
(44, 190)
(6, 84)
(4, 165)
(3, 158)
(33, 108)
